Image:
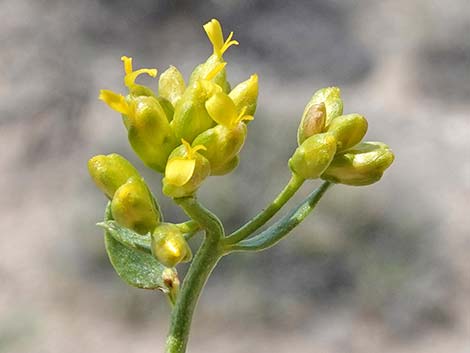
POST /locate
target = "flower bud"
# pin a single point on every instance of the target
(133, 206)
(214, 32)
(226, 168)
(348, 130)
(191, 117)
(171, 85)
(222, 145)
(185, 171)
(149, 133)
(167, 107)
(110, 172)
(245, 95)
(313, 156)
(361, 165)
(203, 70)
(313, 122)
(331, 97)
(169, 246)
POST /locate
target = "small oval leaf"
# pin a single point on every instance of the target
(135, 267)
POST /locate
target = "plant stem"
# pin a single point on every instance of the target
(259, 220)
(201, 267)
(281, 228)
(181, 317)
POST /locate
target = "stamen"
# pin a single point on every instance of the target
(191, 151)
(127, 64)
(130, 78)
(242, 117)
(228, 43)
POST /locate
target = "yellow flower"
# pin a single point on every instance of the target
(216, 37)
(222, 110)
(179, 170)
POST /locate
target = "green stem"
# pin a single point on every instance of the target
(189, 226)
(259, 220)
(280, 229)
(204, 262)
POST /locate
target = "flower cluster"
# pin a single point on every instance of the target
(330, 144)
(191, 130)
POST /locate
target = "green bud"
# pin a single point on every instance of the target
(313, 156)
(348, 130)
(361, 165)
(140, 90)
(331, 97)
(150, 134)
(185, 171)
(169, 246)
(203, 71)
(191, 117)
(133, 206)
(245, 95)
(167, 108)
(171, 85)
(313, 122)
(110, 172)
(222, 145)
(228, 167)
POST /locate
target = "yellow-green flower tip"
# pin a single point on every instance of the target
(331, 97)
(361, 165)
(171, 85)
(133, 207)
(191, 117)
(313, 122)
(150, 134)
(110, 172)
(223, 144)
(245, 95)
(313, 156)
(349, 130)
(169, 246)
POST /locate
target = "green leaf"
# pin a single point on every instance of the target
(135, 267)
(127, 237)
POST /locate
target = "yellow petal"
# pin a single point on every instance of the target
(179, 171)
(222, 109)
(214, 32)
(115, 101)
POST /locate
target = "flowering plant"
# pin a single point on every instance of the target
(189, 131)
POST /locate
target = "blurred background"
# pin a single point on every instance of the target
(382, 268)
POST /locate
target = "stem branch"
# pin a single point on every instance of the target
(281, 228)
(259, 220)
